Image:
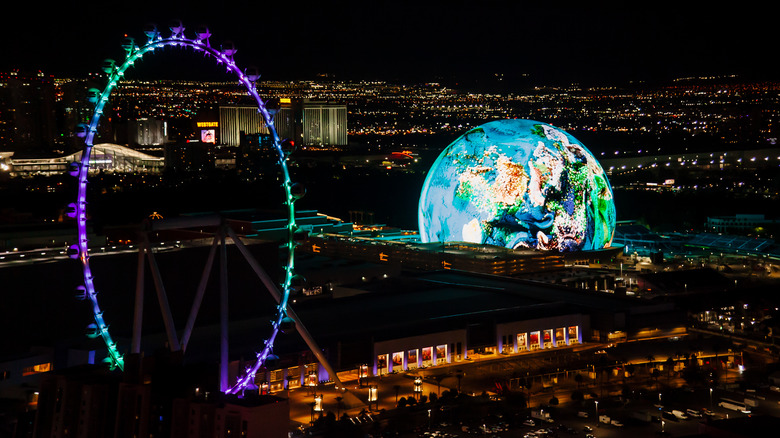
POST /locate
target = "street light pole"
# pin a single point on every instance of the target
(318, 403)
(372, 396)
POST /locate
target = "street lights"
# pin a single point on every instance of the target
(372, 396)
(710, 398)
(418, 387)
(597, 413)
(363, 374)
(311, 381)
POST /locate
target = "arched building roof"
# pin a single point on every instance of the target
(105, 156)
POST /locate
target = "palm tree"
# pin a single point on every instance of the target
(630, 369)
(650, 359)
(438, 380)
(339, 400)
(528, 383)
(669, 367)
(578, 378)
(655, 373)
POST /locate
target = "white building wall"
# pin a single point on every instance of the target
(448, 338)
(512, 329)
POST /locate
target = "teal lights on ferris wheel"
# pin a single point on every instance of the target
(77, 210)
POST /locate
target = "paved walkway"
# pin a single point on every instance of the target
(480, 375)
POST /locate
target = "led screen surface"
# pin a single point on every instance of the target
(427, 354)
(208, 136)
(518, 184)
(441, 353)
(522, 343)
(398, 359)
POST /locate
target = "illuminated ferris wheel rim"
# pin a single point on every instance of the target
(80, 250)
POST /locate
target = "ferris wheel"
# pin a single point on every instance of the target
(222, 55)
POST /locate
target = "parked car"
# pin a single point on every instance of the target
(693, 413)
(679, 414)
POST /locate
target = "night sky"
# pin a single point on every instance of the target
(414, 40)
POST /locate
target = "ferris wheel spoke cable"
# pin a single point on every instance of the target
(77, 210)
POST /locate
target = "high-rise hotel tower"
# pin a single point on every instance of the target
(306, 122)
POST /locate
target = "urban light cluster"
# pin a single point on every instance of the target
(731, 114)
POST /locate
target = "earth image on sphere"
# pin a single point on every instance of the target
(518, 184)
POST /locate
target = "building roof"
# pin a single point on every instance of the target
(424, 303)
(102, 148)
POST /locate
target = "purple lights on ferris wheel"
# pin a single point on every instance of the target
(77, 210)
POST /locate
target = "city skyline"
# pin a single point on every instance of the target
(459, 42)
(653, 202)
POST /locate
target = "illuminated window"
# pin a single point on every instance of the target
(522, 342)
(441, 354)
(398, 361)
(37, 369)
(412, 359)
(533, 343)
(548, 338)
(427, 356)
(311, 378)
(277, 375)
(294, 377)
(573, 335)
(381, 363)
(560, 337)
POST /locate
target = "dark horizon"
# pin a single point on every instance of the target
(449, 42)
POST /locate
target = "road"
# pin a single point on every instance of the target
(480, 375)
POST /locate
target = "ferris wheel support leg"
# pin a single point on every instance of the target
(271, 286)
(224, 385)
(162, 298)
(259, 271)
(138, 314)
(204, 279)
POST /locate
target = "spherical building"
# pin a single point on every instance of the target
(518, 184)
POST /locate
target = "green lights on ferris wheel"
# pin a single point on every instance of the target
(292, 191)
